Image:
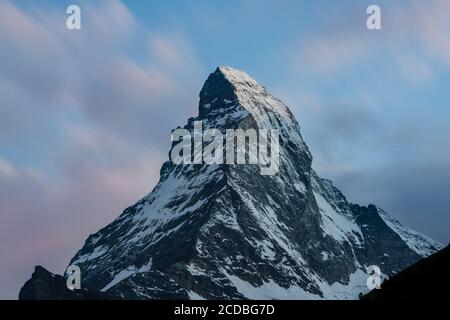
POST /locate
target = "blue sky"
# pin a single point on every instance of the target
(85, 116)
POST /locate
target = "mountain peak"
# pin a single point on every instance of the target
(229, 232)
(237, 77)
(228, 91)
(229, 84)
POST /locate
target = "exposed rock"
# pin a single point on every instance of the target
(45, 285)
(228, 232)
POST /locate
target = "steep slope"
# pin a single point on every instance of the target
(227, 231)
(419, 243)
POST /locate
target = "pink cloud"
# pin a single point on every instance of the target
(94, 121)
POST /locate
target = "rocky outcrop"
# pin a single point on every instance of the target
(45, 285)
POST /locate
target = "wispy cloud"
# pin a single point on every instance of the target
(414, 35)
(84, 125)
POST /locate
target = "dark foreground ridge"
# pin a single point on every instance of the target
(45, 285)
(428, 279)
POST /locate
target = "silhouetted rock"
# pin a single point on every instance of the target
(45, 285)
(428, 279)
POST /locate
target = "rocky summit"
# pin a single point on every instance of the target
(225, 231)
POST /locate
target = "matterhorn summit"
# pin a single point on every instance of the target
(226, 231)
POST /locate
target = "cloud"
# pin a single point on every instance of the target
(414, 35)
(84, 125)
(397, 162)
(380, 145)
(88, 72)
(6, 169)
(422, 206)
(330, 53)
(332, 127)
(409, 178)
(343, 121)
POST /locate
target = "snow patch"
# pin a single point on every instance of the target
(269, 290)
(300, 187)
(98, 251)
(195, 296)
(335, 224)
(126, 273)
(122, 275)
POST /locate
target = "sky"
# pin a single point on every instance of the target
(86, 115)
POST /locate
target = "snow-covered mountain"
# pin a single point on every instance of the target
(226, 231)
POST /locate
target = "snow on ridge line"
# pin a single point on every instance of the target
(419, 243)
(252, 96)
(236, 76)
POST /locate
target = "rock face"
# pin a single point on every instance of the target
(45, 285)
(228, 232)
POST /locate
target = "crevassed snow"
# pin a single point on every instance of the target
(417, 242)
